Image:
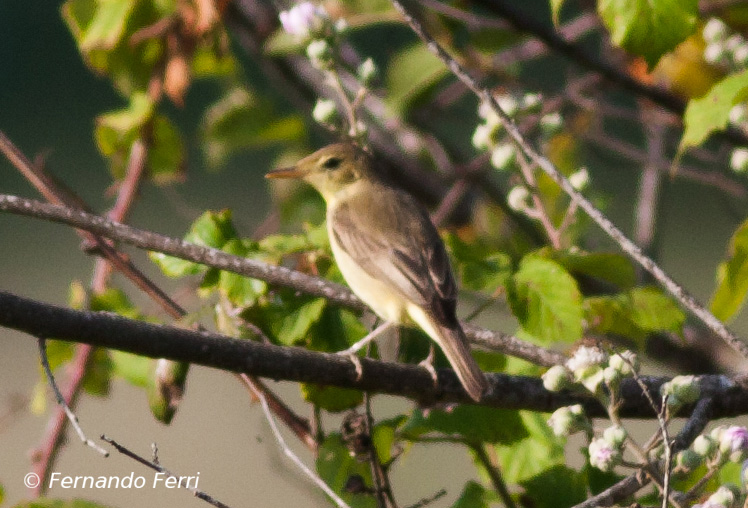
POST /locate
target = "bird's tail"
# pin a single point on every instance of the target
(454, 344)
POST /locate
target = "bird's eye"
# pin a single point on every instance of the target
(332, 163)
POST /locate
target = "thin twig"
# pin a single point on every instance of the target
(161, 469)
(291, 455)
(428, 500)
(494, 474)
(61, 400)
(629, 247)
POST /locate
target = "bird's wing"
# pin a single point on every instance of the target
(400, 246)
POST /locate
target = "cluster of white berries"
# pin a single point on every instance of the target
(681, 390)
(729, 49)
(592, 368)
(489, 134)
(312, 24)
(724, 46)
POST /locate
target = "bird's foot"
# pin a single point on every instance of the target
(428, 364)
(355, 361)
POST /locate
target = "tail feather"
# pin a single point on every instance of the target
(454, 344)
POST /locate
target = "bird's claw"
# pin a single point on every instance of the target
(355, 361)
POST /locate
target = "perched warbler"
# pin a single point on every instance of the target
(389, 251)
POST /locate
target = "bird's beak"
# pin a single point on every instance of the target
(292, 172)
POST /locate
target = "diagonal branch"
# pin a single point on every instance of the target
(628, 246)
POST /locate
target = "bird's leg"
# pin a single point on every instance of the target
(351, 351)
(428, 364)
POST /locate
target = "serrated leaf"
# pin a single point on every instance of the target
(331, 398)
(475, 495)
(175, 267)
(556, 486)
(410, 73)
(540, 450)
(732, 277)
(105, 28)
(474, 423)
(711, 113)
(649, 28)
(335, 466)
(613, 268)
(546, 301)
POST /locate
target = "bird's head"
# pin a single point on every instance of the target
(331, 170)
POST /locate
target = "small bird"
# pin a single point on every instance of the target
(389, 252)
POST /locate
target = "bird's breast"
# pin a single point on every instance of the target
(386, 302)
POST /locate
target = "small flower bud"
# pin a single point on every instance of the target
(714, 30)
(612, 377)
(531, 102)
(732, 42)
(325, 111)
(367, 71)
(305, 20)
(551, 123)
(681, 390)
(738, 114)
(704, 446)
(566, 421)
(615, 436)
(603, 456)
(341, 26)
(740, 55)
(482, 137)
(592, 378)
(518, 198)
(739, 160)
(503, 156)
(320, 54)
(688, 460)
(556, 378)
(724, 497)
(508, 104)
(624, 361)
(586, 356)
(579, 179)
(714, 53)
(734, 443)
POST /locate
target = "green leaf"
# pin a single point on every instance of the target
(556, 486)
(711, 112)
(634, 314)
(239, 121)
(136, 370)
(98, 374)
(114, 300)
(410, 73)
(166, 153)
(211, 229)
(294, 326)
(539, 451)
(98, 24)
(474, 423)
(613, 268)
(335, 329)
(475, 495)
(241, 291)
(335, 466)
(331, 398)
(546, 301)
(478, 268)
(653, 311)
(649, 28)
(732, 277)
(384, 437)
(116, 131)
